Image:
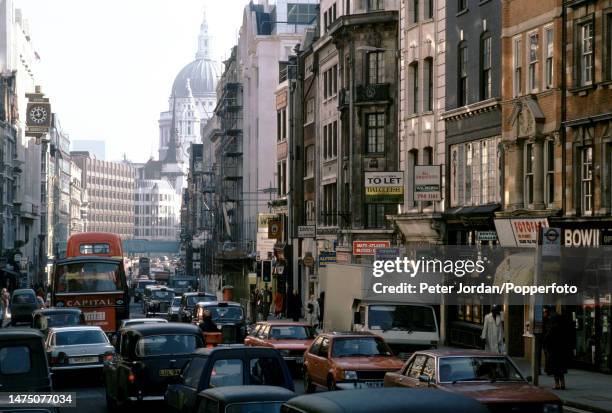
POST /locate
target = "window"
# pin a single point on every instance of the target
(550, 171)
(227, 372)
(376, 67)
(309, 209)
(462, 5)
(414, 79)
(429, 9)
(301, 13)
(15, 360)
(310, 110)
(416, 367)
(329, 210)
(463, 74)
(266, 371)
(608, 47)
(374, 5)
(194, 372)
(486, 87)
(585, 47)
(330, 82)
(529, 167)
(586, 176)
(326, 91)
(474, 175)
(415, 11)
(533, 61)
(324, 349)
(335, 139)
(518, 61)
(550, 47)
(376, 133)
(279, 125)
(428, 84)
(310, 161)
(375, 217)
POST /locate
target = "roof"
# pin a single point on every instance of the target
(56, 310)
(459, 352)
(201, 74)
(20, 333)
(199, 293)
(93, 258)
(74, 328)
(246, 394)
(285, 323)
(349, 334)
(388, 400)
(150, 329)
(145, 320)
(213, 303)
(207, 351)
(23, 291)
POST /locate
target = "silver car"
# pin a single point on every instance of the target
(80, 347)
(133, 321)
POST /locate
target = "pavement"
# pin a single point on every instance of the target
(585, 390)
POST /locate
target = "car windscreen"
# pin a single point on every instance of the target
(454, 369)
(401, 317)
(80, 337)
(226, 313)
(142, 284)
(62, 320)
(292, 332)
(15, 360)
(254, 407)
(162, 295)
(176, 302)
(88, 277)
(192, 300)
(360, 347)
(24, 299)
(167, 344)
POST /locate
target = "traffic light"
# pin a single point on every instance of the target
(266, 271)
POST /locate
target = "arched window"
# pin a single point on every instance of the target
(428, 84)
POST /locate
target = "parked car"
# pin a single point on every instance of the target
(157, 301)
(238, 399)
(23, 304)
(492, 379)
(23, 361)
(46, 318)
(173, 310)
(78, 348)
(139, 289)
(228, 316)
(383, 400)
(227, 366)
(348, 361)
(188, 303)
(292, 339)
(149, 357)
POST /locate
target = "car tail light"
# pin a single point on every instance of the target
(108, 356)
(131, 377)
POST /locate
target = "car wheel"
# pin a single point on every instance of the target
(331, 383)
(309, 386)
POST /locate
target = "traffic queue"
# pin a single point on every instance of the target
(196, 352)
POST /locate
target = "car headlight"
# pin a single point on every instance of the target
(551, 408)
(350, 375)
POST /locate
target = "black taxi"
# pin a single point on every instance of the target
(148, 358)
(229, 317)
(23, 361)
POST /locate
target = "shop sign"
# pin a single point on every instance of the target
(369, 247)
(387, 254)
(428, 182)
(384, 187)
(281, 150)
(308, 261)
(486, 236)
(519, 232)
(275, 228)
(327, 231)
(326, 257)
(307, 231)
(281, 100)
(343, 257)
(262, 221)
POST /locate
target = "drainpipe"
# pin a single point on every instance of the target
(563, 105)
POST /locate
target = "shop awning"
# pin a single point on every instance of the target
(516, 268)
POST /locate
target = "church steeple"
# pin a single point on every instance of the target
(203, 39)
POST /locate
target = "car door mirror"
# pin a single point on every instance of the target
(424, 378)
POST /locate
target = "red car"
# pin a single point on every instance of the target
(492, 379)
(291, 339)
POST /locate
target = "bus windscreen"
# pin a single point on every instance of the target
(84, 277)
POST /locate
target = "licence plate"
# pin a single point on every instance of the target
(82, 360)
(373, 384)
(169, 372)
(299, 360)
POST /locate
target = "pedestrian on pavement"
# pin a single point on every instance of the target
(321, 302)
(278, 304)
(259, 305)
(267, 302)
(312, 311)
(493, 331)
(4, 305)
(253, 304)
(558, 342)
(294, 306)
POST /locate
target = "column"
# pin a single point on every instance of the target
(538, 174)
(514, 174)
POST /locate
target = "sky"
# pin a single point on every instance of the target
(108, 65)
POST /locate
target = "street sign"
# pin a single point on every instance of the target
(326, 257)
(384, 187)
(486, 236)
(369, 247)
(551, 242)
(307, 231)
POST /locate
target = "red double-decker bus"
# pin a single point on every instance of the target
(92, 277)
